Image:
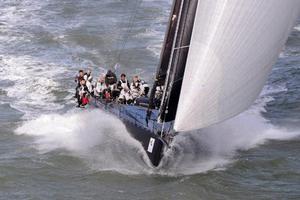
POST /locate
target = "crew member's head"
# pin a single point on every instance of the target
(82, 82)
(101, 78)
(80, 73)
(136, 78)
(123, 77)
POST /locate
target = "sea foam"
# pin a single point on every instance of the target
(101, 140)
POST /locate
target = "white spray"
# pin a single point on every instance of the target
(100, 139)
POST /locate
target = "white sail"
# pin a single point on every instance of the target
(233, 47)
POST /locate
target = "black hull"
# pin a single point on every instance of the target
(134, 119)
(144, 137)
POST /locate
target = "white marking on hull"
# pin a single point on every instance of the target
(151, 145)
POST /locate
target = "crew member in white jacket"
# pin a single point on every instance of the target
(136, 88)
(88, 85)
(100, 86)
(125, 94)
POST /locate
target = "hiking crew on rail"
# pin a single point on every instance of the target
(108, 88)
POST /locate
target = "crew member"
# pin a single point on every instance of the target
(78, 79)
(82, 90)
(88, 85)
(88, 76)
(136, 88)
(145, 88)
(125, 94)
(100, 86)
(158, 95)
(110, 79)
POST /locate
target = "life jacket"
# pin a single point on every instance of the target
(85, 76)
(136, 89)
(85, 100)
(89, 86)
(123, 85)
(89, 77)
(99, 87)
(83, 89)
(136, 85)
(107, 95)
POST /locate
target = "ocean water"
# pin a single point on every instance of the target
(51, 150)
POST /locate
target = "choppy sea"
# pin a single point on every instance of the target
(51, 150)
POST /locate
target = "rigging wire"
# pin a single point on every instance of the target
(130, 25)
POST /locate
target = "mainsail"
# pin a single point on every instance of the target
(178, 58)
(166, 52)
(173, 57)
(233, 47)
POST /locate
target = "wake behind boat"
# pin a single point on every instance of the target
(215, 60)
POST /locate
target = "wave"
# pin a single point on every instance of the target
(101, 140)
(33, 85)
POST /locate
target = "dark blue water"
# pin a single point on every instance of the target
(49, 150)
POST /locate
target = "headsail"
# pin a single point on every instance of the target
(233, 47)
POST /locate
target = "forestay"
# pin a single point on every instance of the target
(234, 45)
